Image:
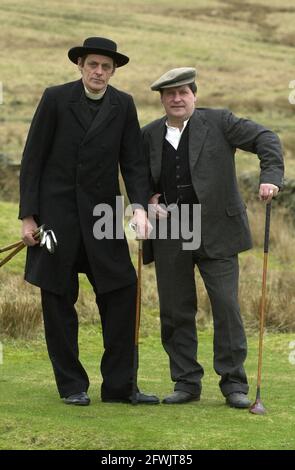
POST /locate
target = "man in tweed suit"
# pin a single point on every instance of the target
(191, 157)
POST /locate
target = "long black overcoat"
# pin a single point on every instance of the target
(67, 169)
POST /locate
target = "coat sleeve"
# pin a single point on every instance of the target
(134, 167)
(147, 246)
(252, 137)
(146, 152)
(35, 153)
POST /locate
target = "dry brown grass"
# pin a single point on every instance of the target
(280, 304)
(20, 310)
(20, 307)
(9, 183)
(282, 235)
(21, 313)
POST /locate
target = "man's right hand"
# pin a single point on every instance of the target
(155, 209)
(29, 227)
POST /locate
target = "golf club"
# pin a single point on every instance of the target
(18, 246)
(9, 247)
(137, 324)
(257, 408)
(132, 226)
(45, 236)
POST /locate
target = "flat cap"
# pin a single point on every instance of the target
(175, 77)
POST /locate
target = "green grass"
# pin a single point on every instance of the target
(243, 52)
(10, 230)
(33, 416)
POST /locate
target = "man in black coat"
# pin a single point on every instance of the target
(191, 157)
(82, 132)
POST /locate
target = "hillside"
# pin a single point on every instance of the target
(243, 51)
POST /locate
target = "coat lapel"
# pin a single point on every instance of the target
(197, 135)
(76, 105)
(106, 113)
(157, 138)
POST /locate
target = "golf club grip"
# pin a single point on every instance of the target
(9, 247)
(12, 254)
(18, 243)
(267, 226)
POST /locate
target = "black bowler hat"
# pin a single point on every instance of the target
(101, 46)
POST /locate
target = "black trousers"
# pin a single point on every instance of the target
(178, 307)
(117, 312)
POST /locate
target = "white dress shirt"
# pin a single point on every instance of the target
(173, 134)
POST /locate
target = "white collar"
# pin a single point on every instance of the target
(173, 134)
(94, 96)
(177, 128)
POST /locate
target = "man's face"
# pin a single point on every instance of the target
(179, 102)
(96, 71)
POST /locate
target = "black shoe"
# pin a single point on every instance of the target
(81, 399)
(178, 397)
(238, 400)
(141, 399)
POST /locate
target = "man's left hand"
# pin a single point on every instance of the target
(142, 224)
(267, 191)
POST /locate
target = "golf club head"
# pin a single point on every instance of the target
(39, 233)
(53, 237)
(257, 408)
(43, 237)
(50, 243)
(41, 229)
(48, 239)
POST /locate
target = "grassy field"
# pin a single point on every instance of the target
(244, 55)
(33, 416)
(243, 51)
(17, 296)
